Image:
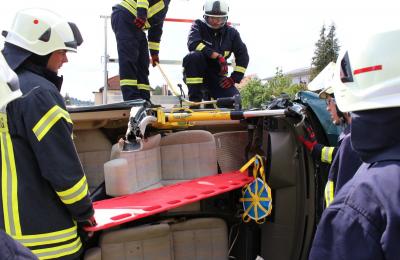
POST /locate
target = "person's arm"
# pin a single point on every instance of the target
(345, 233)
(241, 58)
(49, 129)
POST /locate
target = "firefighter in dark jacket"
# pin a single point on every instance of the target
(211, 42)
(9, 90)
(45, 196)
(363, 221)
(343, 159)
(129, 20)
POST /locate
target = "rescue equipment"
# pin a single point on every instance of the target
(113, 212)
(257, 197)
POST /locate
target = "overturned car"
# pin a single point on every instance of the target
(202, 183)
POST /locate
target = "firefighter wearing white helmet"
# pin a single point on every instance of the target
(363, 220)
(9, 84)
(216, 13)
(45, 198)
(211, 42)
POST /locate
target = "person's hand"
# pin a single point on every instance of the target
(139, 22)
(155, 59)
(227, 82)
(308, 139)
(223, 65)
(91, 222)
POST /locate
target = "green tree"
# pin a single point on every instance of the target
(157, 91)
(255, 93)
(67, 99)
(326, 50)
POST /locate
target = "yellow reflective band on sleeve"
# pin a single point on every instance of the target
(143, 4)
(59, 251)
(226, 53)
(326, 154)
(144, 87)
(76, 193)
(48, 238)
(200, 46)
(154, 9)
(194, 80)
(9, 181)
(329, 192)
(128, 82)
(49, 120)
(240, 69)
(154, 46)
(130, 6)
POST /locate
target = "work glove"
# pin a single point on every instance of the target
(139, 22)
(155, 59)
(227, 82)
(223, 65)
(308, 139)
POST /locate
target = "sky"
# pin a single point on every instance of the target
(277, 34)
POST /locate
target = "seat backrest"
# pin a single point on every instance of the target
(134, 170)
(231, 149)
(187, 155)
(94, 150)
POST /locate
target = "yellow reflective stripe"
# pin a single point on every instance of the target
(240, 69)
(143, 4)
(154, 46)
(48, 238)
(48, 121)
(194, 80)
(326, 154)
(329, 193)
(59, 251)
(154, 9)
(128, 82)
(76, 193)
(144, 86)
(226, 53)
(200, 46)
(9, 181)
(129, 7)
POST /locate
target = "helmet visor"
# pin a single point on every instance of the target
(215, 21)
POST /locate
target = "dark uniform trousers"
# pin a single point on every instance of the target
(198, 66)
(133, 55)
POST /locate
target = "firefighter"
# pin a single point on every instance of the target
(211, 42)
(343, 159)
(363, 220)
(45, 198)
(9, 90)
(129, 20)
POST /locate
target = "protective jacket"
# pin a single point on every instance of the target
(200, 71)
(43, 187)
(364, 219)
(133, 47)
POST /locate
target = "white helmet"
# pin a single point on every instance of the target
(9, 85)
(216, 8)
(41, 31)
(324, 79)
(367, 75)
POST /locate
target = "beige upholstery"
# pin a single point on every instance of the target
(94, 150)
(197, 239)
(230, 149)
(162, 161)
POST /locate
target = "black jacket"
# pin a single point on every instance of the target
(224, 41)
(45, 192)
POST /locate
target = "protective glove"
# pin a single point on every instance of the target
(154, 59)
(308, 139)
(139, 22)
(227, 82)
(223, 65)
